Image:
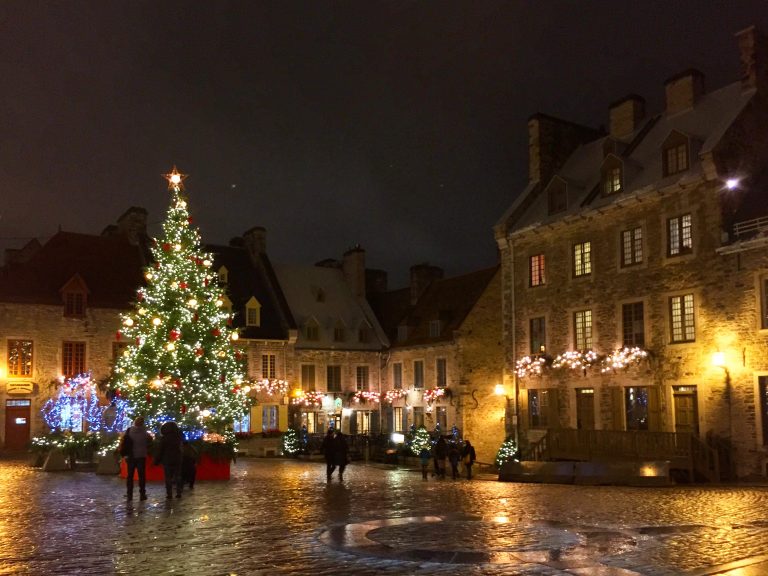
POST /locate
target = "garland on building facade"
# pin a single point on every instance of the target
(619, 359)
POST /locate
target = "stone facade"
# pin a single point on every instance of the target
(681, 297)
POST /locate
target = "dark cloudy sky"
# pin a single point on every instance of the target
(399, 126)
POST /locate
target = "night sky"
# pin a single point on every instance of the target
(399, 126)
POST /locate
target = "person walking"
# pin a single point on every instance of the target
(454, 456)
(441, 453)
(329, 451)
(138, 441)
(468, 457)
(425, 456)
(170, 455)
(341, 452)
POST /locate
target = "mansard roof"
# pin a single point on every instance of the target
(448, 301)
(706, 123)
(109, 266)
(246, 280)
(322, 293)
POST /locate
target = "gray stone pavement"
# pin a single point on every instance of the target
(281, 517)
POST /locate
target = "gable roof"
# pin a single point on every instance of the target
(302, 284)
(246, 280)
(706, 123)
(109, 266)
(447, 300)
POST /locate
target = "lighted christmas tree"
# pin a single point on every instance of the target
(507, 452)
(180, 361)
(420, 441)
(291, 443)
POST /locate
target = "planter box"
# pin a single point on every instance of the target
(207, 469)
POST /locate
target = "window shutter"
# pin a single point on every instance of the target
(257, 422)
(523, 422)
(553, 410)
(618, 408)
(654, 409)
(282, 417)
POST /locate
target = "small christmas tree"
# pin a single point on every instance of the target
(180, 362)
(507, 452)
(291, 443)
(420, 441)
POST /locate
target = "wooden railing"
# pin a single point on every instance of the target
(684, 451)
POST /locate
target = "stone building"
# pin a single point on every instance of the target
(59, 315)
(445, 358)
(634, 269)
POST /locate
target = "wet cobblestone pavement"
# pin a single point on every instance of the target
(281, 517)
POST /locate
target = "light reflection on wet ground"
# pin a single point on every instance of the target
(271, 518)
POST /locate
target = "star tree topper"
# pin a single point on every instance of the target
(175, 179)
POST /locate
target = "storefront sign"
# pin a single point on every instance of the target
(15, 387)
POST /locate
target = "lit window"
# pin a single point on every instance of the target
(268, 366)
(612, 180)
(19, 358)
(632, 247)
(73, 359)
(582, 329)
(223, 275)
(253, 312)
(536, 270)
(361, 378)
(679, 235)
(582, 259)
(683, 327)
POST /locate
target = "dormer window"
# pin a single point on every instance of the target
(612, 176)
(312, 330)
(557, 196)
(402, 333)
(364, 333)
(74, 294)
(675, 153)
(226, 303)
(339, 332)
(434, 328)
(223, 275)
(253, 312)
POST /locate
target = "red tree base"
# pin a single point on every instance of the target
(207, 469)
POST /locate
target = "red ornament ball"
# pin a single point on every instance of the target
(148, 398)
(118, 335)
(199, 351)
(166, 247)
(216, 332)
(174, 335)
(183, 408)
(183, 285)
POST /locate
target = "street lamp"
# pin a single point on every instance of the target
(501, 390)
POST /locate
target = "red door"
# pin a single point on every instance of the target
(17, 424)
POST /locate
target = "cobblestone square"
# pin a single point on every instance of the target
(281, 517)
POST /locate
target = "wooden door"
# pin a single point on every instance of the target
(17, 426)
(585, 408)
(686, 410)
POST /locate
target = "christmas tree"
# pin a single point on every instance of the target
(180, 362)
(507, 452)
(420, 441)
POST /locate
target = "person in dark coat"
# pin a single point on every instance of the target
(136, 459)
(170, 455)
(329, 451)
(341, 452)
(441, 453)
(454, 457)
(468, 457)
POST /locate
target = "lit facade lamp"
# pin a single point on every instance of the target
(509, 427)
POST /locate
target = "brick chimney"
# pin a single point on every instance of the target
(753, 49)
(422, 275)
(626, 115)
(133, 224)
(353, 266)
(550, 142)
(255, 241)
(684, 90)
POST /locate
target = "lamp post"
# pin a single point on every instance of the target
(718, 360)
(501, 390)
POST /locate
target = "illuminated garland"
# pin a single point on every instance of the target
(272, 387)
(309, 398)
(433, 394)
(366, 396)
(619, 359)
(507, 452)
(392, 395)
(623, 358)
